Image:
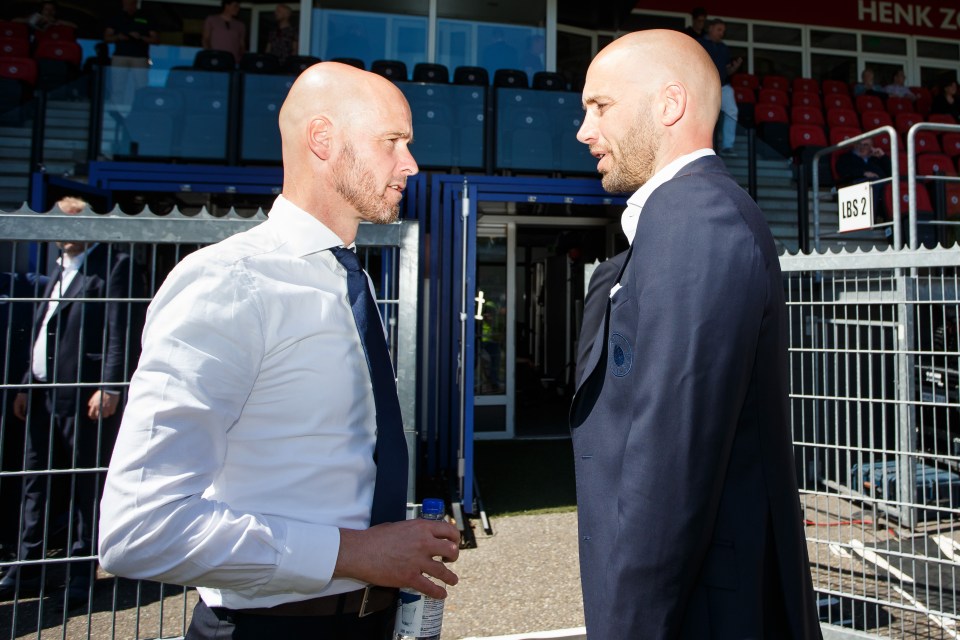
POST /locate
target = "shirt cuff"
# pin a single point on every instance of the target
(307, 559)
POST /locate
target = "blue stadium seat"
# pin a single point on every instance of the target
(263, 96)
(470, 113)
(567, 113)
(204, 132)
(259, 63)
(427, 72)
(151, 129)
(524, 131)
(471, 75)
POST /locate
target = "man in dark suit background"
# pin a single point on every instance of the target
(85, 349)
(688, 515)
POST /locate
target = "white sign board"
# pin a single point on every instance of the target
(856, 207)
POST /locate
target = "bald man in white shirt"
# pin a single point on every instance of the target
(245, 463)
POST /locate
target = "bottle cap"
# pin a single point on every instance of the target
(432, 506)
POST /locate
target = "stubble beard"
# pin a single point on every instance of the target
(359, 188)
(637, 158)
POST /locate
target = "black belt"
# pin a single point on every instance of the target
(362, 602)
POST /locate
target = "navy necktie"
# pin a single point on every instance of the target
(390, 452)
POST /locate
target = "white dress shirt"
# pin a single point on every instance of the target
(69, 267)
(631, 215)
(248, 437)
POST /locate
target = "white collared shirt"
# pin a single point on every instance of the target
(69, 267)
(248, 438)
(628, 221)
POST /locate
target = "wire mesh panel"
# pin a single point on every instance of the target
(874, 398)
(82, 283)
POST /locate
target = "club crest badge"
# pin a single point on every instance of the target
(621, 355)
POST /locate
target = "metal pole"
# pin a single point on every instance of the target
(803, 203)
(464, 217)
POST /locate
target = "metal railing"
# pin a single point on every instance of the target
(61, 478)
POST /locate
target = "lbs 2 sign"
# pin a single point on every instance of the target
(856, 207)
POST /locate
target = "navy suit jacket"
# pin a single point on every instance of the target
(688, 507)
(92, 341)
(594, 308)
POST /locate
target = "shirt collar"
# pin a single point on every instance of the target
(631, 215)
(73, 263)
(304, 233)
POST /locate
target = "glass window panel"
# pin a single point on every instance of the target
(490, 45)
(884, 71)
(833, 67)
(781, 63)
(932, 76)
(942, 50)
(833, 40)
(777, 35)
(369, 36)
(524, 13)
(736, 31)
(573, 57)
(408, 7)
(881, 44)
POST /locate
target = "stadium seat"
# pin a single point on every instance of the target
(427, 72)
(570, 156)
(869, 103)
(875, 119)
(395, 70)
(906, 119)
(882, 141)
(805, 141)
(10, 29)
(805, 85)
(153, 125)
(950, 144)
(842, 118)
(353, 62)
(773, 127)
(926, 142)
(806, 115)
(190, 80)
(297, 64)
(525, 140)
(923, 106)
(549, 81)
(839, 134)
(470, 112)
(512, 78)
(897, 105)
(941, 118)
(837, 101)
(14, 48)
(22, 69)
(926, 233)
(807, 99)
(214, 60)
(58, 62)
(746, 80)
(746, 103)
(471, 75)
(779, 83)
(204, 132)
(935, 164)
(259, 63)
(58, 32)
(262, 97)
(773, 96)
(840, 87)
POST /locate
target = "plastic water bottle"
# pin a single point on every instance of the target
(420, 617)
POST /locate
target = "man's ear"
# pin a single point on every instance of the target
(674, 103)
(319, 134)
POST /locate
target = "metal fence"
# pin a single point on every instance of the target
(874, 388)
(52, 471)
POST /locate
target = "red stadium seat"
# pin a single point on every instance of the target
(842, 118)
(923, 199)
(744, 95)
(768, 112)
(899, 105)
(882, 141)
(10, 29)
(835, 87)
(839, 134)
(926, 142)
(904, 120)
(875, 119)
(773, 96)
(775, 82)
(950, 143)
(59, 50)
(923, 106)
(807, 99)
(837, 101)
(806, 115)
(747, 80)
(14, 48)
(58, 32)
(746, 100)
(773, 126)
(935, 164)
(23, 69)
(921, 92)
(869, 103)
(941, 118)
(807, 135)
(808, 85)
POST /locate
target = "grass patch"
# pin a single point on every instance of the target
(525, 476)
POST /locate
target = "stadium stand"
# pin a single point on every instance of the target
(429, 72)
(866, 102)
(214, 60)
(471, 75)
(773, 126)
(259, 63)
(806, 115)
(837, 101)
(805, 85)
(773, 96)
(296, 64)
(807, 99)
(395, 70)
(512, 78)
(828, 87)
(839, 117)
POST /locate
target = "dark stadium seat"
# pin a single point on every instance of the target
(353, 62)
(941, 118)
(805, 141)
(395, 70)
(429, 72)
(839, 134)
(511, 78)
(203, 134)
(10, 29)
(926, 142)
(259, 63)
(297, 64)
(906, 119)
(471, 75)
(772, 81)
(747, 80)
(773, 127)
(834, 87)
(152, 127)
(805, 85)
(433, 123)
(935, 164)
(806, 115)
(22, 69)
(14, 48)
(746, 103)
(807, 99)
(950, 143)
(214, 60)
(842, 118)
(869, 103)
(524, 138)
(58, 32)
(875, 119)
(549, 81)
(773, 96)
(261, 98)
(897, 105)
(837, 101)
(926, 233)
(189, 80)
(58, 62)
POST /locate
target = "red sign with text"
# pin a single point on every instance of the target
(937, 18)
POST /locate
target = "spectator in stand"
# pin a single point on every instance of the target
(867, 86)
(898, 89)
(946, 101)
(131, 34)
(44, 17)
(865, 163)
(225, 32)
(698, 20)
(282, 41)
(720, 54)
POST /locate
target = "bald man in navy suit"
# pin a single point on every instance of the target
(689, 517)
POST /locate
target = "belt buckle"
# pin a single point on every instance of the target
(363, 613)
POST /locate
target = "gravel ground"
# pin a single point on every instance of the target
(522, 579)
